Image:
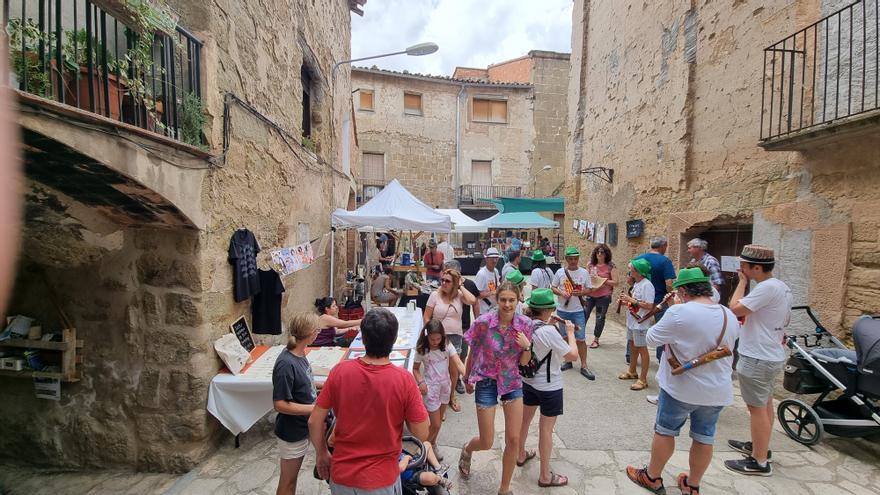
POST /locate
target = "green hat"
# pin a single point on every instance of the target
(541, 299)
(515, 277)
(538, 255)
(572, 251)
(642, 266)
(693, 275)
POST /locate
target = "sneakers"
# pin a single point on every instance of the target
(459, 387)
(587, 374)
(641, 478)
(746, 448)
(566, 366)
(652, 399)
(749, 466)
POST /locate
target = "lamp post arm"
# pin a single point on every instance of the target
(336, 66)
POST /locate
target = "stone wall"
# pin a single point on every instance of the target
(668, 94)
(550, 79)
(148, 302)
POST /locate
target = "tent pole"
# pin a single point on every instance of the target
(332, 257)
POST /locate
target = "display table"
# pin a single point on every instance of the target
(469, 265)
(239, 401)
(408, 268)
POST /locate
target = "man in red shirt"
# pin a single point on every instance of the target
(371, 399)
(433, 261)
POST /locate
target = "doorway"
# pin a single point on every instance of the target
(724, 240)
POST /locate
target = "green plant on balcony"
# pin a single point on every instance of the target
(309, 144)
(24, 54)
(192, 120)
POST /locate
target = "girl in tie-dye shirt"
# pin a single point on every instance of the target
(499, 342)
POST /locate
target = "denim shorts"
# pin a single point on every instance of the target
(486, 394)
(580, 323)
(672, 413)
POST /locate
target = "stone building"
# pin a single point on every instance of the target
(453, 140)
(736, 122)
(128, 220)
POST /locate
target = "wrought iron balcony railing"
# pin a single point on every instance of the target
(823, 73)
(140, 68)
(470, 195)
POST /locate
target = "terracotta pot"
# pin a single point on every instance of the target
(80, 96)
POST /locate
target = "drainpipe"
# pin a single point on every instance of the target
(457, 171)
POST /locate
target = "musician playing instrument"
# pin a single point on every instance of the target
(697, 330)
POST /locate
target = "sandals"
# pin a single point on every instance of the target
(555, 480)
(594, 344)
(454, 405)
(626, 375)
(530, 454)
(687, 489)
(639, 385)
(464, 462)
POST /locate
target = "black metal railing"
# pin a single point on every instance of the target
(76, 53)
(825, 72)
(470, 195)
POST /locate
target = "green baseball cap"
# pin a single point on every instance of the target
(515, 277)
(538, 255)
(572, 251)
(541, 299)
(691, 275)
(642, 266)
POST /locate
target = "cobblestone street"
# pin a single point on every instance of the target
(605, 427)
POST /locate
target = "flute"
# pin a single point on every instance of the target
(718, 353)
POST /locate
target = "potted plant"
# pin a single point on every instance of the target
(77, 77)
(24, 54)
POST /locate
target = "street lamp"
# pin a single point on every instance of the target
(535, 178)
(413, 51)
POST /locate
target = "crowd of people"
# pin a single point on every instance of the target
(513, 353)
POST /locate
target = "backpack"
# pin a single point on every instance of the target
(530, 369)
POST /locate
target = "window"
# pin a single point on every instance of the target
(374, 168)
(412, 104)
(481, 173)
(370, 192)
(486, 110)
(306, 80)
(366, 97)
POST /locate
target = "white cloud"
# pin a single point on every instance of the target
(470, 33)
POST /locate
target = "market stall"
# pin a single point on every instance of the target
(239, 401)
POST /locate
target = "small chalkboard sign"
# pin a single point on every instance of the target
(243, 333)
(634, 228)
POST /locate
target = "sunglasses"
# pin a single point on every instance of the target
(446, 280)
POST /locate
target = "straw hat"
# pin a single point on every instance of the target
(755, 253)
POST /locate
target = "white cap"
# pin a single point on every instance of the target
(492, 253)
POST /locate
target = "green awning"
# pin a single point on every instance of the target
(513, 205)
(519, 220)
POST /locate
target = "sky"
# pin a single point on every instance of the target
(470, 33)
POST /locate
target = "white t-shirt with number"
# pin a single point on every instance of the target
(487, 280)
(764, 330)
(581, 279)
(547, 339)
(643, 290)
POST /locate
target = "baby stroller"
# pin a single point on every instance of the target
(814, 369)
(414, 448)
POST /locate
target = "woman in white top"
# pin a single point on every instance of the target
(445, 304)
(544, 390)
(541, 277)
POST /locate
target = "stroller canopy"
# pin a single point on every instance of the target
(866, 334)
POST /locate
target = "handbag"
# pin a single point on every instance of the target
(530, 369)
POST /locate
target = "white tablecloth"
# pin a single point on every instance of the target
(239, 401)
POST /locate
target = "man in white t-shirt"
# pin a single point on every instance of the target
(638, 303)
(699, 394)
(767, 310)
(541, 276)
(570, 284)
(488, 279)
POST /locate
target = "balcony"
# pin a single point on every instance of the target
(470, 196)
(823, 80)
(127, 61)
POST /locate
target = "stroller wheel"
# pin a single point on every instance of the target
(800, 421)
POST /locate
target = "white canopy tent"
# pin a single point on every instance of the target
(462, 223)
(394, 208)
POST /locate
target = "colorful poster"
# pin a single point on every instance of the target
(600, 233)
(591, 231)
(289, 260)
(582, 228)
